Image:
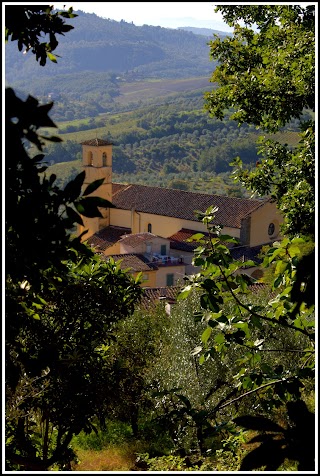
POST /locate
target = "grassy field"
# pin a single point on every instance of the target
(144, 90)
(109, 459)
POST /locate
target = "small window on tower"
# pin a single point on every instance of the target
(104, 159)
(149, 228)
(90, 157)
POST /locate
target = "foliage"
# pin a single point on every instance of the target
(267, 77)
(113, 433)
(277, 443)
(275, 65)
(148, 144)
(288, 177)
(61, 301)
(249, 327)
(37, 238)
(223, 460)
(131, 356)
(64, 354)
(27, 25)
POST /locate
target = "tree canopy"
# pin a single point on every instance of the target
(267, 76)
(61, 300)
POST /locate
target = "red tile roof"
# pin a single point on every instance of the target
(136, 239)
(181, 204)
(106, 237)
(178, 240)
(151, 296)
(136, 262)
(96, 142)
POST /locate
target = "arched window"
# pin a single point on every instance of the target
(149, 228)
(90, 158)
(104, 159)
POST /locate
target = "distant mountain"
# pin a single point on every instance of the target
(204, 31)
(102, 45)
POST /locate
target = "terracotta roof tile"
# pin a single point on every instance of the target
(136, 262)
(96, 142)
(136, 239)
(242, 253)
(106, 237)
(152, 296)
(182, 204)
(178, 240)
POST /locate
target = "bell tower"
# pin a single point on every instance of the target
(97, 163)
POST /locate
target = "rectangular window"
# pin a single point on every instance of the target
(163, 250)
(145, 277)
(170, 279)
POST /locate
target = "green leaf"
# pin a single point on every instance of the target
(73, 188)
(52, 57)
(247, 383)
(93, 186)
(294, 251)
(256, 321)
(206, 334)
(74, 216)
(278, 281)
(185, 292)
(88, 206)
(219, 339)
(196, 237)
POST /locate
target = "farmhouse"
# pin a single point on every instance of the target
(148, 227)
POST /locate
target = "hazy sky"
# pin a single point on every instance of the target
(166, 14)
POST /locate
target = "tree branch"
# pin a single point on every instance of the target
(218, 407)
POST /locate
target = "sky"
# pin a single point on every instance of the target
(165, 14)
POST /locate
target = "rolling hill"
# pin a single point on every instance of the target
(98, 45)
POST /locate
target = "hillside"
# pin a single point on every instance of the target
(176, 145)
(98, 45)
(143, 88)
(105, 66)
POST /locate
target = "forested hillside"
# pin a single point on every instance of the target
(99, 58)
(104, 45)
(177, 144)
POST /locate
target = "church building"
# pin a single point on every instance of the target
(148, 226)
